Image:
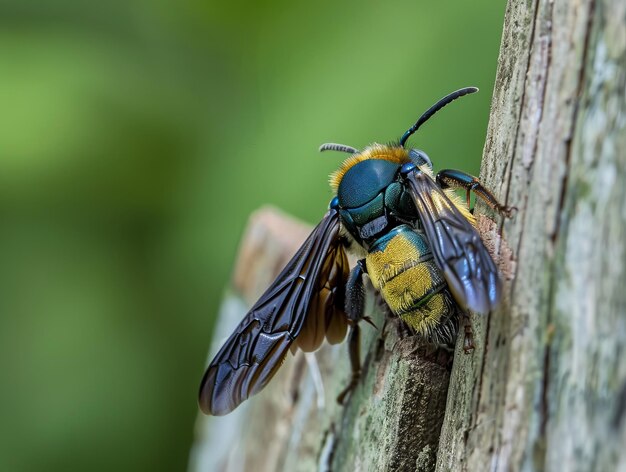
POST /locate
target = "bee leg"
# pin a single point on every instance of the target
(355, 306)
(354, 347)
(468, 340)
(456, 179)
(355, 293)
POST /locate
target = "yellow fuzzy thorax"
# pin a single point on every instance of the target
(395, 154)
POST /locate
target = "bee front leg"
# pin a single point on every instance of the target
(456, 179)
(355, 306)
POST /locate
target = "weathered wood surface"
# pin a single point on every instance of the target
(546, 387)
(391, 422)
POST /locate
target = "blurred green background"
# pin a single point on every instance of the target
(135, 138)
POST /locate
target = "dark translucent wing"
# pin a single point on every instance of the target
(460, 253)
(291, 305)
(325, 316)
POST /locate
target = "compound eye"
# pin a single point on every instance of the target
(419, 158)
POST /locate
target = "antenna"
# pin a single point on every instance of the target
(434, 109)
(338, 147)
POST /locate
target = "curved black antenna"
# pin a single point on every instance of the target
(434, 109)
(338, 147)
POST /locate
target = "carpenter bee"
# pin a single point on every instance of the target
(416, 241)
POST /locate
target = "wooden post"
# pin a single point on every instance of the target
(546, 388)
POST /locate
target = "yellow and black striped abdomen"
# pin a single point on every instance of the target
(401, 267)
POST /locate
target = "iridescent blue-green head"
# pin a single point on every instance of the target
(370, 197)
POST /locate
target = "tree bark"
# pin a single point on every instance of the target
(545, 388)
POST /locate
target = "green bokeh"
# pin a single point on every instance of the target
(135, 138)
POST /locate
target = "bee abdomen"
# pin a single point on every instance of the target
(401, 267)
(435, 318)
(411, 287)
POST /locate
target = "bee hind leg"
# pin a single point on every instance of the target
(355, 306)
(354, 348)
(456, 179)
